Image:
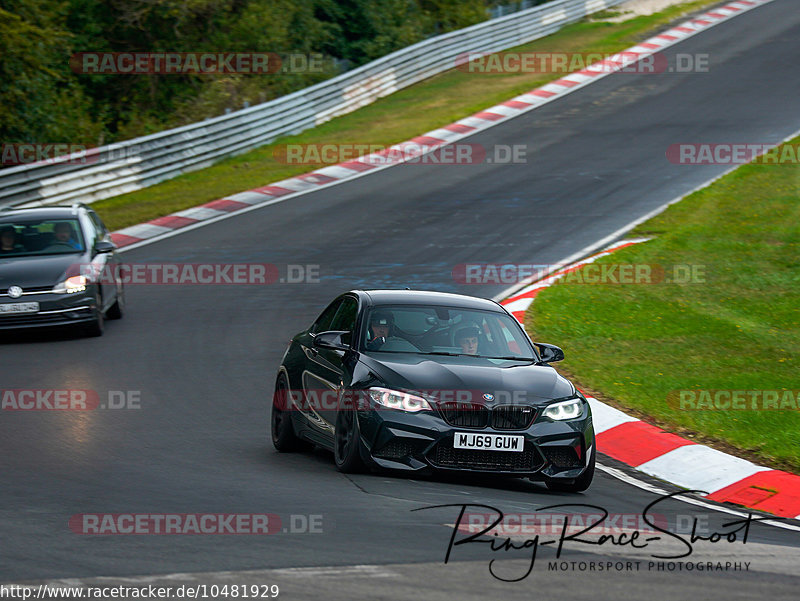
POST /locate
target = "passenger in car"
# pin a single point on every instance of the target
(8, 240)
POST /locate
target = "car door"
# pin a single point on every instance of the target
(99, 260)
(327, 372)
(111, 284)
(312, 370)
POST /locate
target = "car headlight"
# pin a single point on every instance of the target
(402, 401)
(76, 283)
(563, 410)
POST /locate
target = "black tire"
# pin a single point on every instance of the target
(117, 310)
(284, 438)
(347, 447)
(97, 325)
(578, 484)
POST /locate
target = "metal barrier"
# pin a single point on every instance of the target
(127, 166)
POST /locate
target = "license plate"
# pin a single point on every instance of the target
(489, 442)
(19, 308)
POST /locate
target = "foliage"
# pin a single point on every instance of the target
(44, 100)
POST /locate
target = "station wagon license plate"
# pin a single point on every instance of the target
(6, 308)
(489, 442)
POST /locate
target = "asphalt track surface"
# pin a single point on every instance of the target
(203, 358)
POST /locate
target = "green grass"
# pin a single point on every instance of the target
(410, 112)
(739, 330)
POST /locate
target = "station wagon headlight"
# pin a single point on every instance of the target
(76, 283)
(564, 410)
(402, 401)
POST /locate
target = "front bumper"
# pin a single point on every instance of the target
(54, 310)
(553, 450)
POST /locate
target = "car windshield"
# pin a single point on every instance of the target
(443, 330)
(40, 237)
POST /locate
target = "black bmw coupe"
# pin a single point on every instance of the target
(413, 380)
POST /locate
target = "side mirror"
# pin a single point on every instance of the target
(550, 353)
(331, 340)
(104, 246)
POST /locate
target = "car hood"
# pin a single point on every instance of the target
(455, 377)
(28, 272)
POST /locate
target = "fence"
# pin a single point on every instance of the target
(127, 166)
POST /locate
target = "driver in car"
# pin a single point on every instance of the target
(380, 328)
(467, 339)
(63, 235)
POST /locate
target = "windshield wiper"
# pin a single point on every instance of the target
(448, 354)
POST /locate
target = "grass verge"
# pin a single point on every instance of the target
(430, 104)
(737, 327)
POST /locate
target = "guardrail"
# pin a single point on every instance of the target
(127, 166)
